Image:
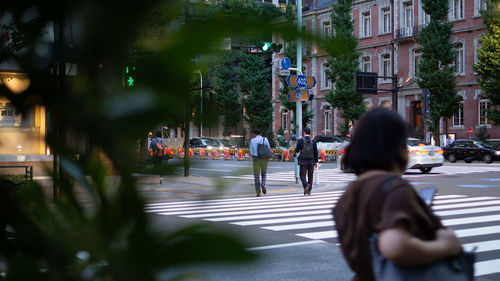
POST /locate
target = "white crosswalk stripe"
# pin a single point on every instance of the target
(328, 175)
(474, 218)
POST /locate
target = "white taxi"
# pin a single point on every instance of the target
(422, 156)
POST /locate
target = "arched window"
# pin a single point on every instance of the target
(385, 67)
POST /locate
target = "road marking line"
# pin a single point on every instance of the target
(221, 212)
(477, 185)
(469, 220)
(486, 267)
(326, 206)
(275, 215)
(477, 231)
(467, 211)
(483, 246)
(461, 200)
(286, 245)
(253, 198)
(300, 225)
(285, 220)
(319, 234)
(266, 201)
(465, 205)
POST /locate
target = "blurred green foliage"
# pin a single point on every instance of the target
(94, 229)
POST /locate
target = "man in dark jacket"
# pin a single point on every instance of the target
(308, 159)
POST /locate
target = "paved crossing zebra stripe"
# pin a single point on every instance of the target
(484, 246)
(486, 267)
(467, 211)
(292, 219)
(271, 215)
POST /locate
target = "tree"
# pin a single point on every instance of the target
(228, 98)
(488, 56)
(434, 70)
(343, 63)
(254, 86)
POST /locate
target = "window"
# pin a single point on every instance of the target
(458, 117)
(285, 117)
(423, 17)
(477, 45)
(326, 31)
(385, 66)
(325, 82)
(385, 20)
(456, 9)
(366, 64)
(416, 58)
(458, 64)
(484, 105)
(365, 24)
(479, 5)
(408, 14)
(327, 118)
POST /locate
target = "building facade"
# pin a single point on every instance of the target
(388, 44)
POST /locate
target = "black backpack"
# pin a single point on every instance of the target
(308, 149)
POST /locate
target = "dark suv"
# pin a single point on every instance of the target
(470, 150)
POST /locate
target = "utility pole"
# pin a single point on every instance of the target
(298, 104)
(187, 109)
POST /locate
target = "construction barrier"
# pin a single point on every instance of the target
(227, 154)
(287, 155)
(214, 154)
(240, 154)
(322, 155)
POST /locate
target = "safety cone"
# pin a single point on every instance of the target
(190, 153)
(240, 154)
(202, 153)
(227, 154)
(322, 155)
(214, 154)
(287, 154)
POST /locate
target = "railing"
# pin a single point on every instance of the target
(408, 32)
(28, 171)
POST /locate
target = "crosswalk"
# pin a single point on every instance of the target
(329, 175)
(476, 220)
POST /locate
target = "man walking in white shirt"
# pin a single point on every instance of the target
(259, 164)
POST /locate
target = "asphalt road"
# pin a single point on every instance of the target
(293, 234)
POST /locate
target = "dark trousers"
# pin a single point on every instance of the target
(157, 164)
(259, 169)
(309, 169)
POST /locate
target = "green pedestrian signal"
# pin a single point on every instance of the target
(130, 76)
(271, 47)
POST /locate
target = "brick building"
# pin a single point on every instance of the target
(388, 43)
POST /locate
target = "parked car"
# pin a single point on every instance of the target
(328, 142)
(207, 143)
(470, 150)
(420, 156)
(227, 144)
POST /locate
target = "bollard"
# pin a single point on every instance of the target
(287, 154)
(240, 154)
(227, 154)
(322, 155)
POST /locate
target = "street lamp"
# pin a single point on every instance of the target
(201, 103)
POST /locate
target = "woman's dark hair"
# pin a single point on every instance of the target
(376, 143)
(158, 134)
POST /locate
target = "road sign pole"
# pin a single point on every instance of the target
(298, 108)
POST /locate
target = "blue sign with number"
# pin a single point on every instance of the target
(286, 63)
(301, 81)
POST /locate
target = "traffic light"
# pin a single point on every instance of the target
(271, 47)
(365, 82)
(129, 76)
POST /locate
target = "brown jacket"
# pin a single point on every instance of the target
(365, 209)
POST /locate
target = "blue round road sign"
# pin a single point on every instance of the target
(285, 63)
(301, 81)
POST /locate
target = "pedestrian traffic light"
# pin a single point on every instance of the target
(271, 47)
(129, 76)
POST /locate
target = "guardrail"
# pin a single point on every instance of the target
(28, 171)
(243, 154)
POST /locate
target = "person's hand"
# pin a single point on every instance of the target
(448, 237)
(315, 165)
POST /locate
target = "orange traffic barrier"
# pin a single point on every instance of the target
(214, 153)
(322, 155)
(227, 154)
(202, 153)
(240, 154)
(190, 152)
(287, 154)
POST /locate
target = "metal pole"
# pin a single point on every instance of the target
(298, 104)
(201, 104)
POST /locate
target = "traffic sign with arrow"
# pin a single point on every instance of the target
(301, 81)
